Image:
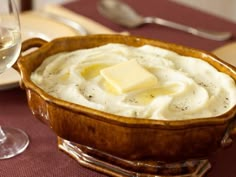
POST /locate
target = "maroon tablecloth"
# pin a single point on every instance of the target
(42, 158)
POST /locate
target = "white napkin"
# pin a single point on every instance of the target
(33, 24)
(91, 26)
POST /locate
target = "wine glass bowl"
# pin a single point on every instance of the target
(10, 38)
(9, 48)
(13, 141)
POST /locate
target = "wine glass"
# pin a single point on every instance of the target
(12, 141)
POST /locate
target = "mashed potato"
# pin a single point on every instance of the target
(187, 87)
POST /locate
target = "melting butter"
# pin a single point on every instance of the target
(93, 70)
(123, 79)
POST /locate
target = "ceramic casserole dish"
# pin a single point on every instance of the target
(130, 144)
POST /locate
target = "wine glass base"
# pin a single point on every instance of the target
(15, 143)
(115, 166)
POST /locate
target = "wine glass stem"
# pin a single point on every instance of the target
(2, 136)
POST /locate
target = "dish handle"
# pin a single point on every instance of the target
(29, 44)
(230, 135)
(233, 131)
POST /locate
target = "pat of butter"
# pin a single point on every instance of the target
(128, 76)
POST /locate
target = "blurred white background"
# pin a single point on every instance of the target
(222, 8)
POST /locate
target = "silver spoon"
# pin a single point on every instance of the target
(124, 15)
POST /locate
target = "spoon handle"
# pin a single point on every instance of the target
(213, 35)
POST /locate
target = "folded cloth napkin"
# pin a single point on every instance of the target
(33, 24)
(91, 26)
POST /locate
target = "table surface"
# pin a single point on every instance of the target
(42, 158)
